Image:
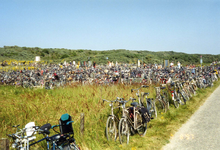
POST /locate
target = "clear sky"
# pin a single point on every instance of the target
(189, 26)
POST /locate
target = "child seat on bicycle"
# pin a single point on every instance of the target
(65, 124)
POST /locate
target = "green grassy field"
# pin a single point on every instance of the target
(20, 106)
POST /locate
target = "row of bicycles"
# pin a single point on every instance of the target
(133, 118)
(55, 75)
(25, 138)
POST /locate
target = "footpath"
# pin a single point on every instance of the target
(202, 130)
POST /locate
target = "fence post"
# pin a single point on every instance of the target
(82, 124)
(4, 144)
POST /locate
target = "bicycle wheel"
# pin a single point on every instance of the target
(160, 106)
(166, 100)
(153, 110)
(123, 131)
(182, 101)
(176, 101)
(192, 91)
(185, 95)
(141, 126)
(189, 93)
(111, 132)
(73, 146)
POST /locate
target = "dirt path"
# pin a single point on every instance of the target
(202, 130)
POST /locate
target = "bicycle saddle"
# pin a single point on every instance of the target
(149, 99)
(134, 104)
(145, 94)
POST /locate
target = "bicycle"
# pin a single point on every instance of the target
(176, 97)
(65, 138)
(111, 131)
(61, 141)
(160, 102)
(131, 118)
(23, 137)
(165, 96)
(150, 105)
(182, 93)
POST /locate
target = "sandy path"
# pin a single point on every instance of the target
(202, 130)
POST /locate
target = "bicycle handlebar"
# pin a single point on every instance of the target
(59, 125)
(23, 130)
(124, 102)
(117, 99)
(44, 131)
(109, 101)
(142, 86)
(15, 126)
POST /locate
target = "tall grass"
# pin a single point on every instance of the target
(20, 106)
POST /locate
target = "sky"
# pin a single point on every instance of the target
(189, 26)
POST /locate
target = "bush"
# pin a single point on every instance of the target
(46, 51)
(64, 56)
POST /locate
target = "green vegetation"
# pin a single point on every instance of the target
(20, 106)
(120, 55)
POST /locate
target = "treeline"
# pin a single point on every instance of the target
(101, 57)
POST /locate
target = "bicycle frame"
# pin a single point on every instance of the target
(138, 94)
(112, 108)
(125, 114)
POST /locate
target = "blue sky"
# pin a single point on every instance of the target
(189, 26)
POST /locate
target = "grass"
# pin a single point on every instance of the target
(20, 106)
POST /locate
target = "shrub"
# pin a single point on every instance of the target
(46, 51)
(64, 56)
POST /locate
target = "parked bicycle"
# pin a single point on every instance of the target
(132, 120)
(150, 105)
(111, 130)
(176, 96)
(64, 140)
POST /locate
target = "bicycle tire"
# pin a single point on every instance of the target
(142, 130)
(73, 146)
(123, 131)
(165, 95)
(164, 100)
(153, 110)
(185, 95)
(181, 99)
(111, 132)
(176, 101)
(192, 91)
(160, 106)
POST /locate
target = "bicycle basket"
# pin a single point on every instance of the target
(64, 127)
(30, 128)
